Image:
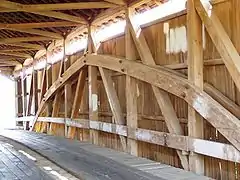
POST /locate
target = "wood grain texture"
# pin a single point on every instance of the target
(222, 41)
(195, 75)
(113, 101)
(121, 166)
(200, 101)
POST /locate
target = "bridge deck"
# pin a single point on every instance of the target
(90, 162)
(15, 166)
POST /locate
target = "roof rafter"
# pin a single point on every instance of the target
(24, 39)
(17, 49)
(16, 54)
(58, 15)
(38, 32)
(9, 62)
(38, 25)
(119, 2)
(25, 45)
(66, 6)
(62, 6)
(6, 69)
(6, 65)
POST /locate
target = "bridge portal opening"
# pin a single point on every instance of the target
(7, 103)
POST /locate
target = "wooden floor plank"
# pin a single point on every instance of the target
(86, 160)
(14, 165)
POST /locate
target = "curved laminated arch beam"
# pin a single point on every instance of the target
(226, 123)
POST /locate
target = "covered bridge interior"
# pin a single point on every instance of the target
(123, 89)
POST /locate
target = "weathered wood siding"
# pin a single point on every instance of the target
(150, 116)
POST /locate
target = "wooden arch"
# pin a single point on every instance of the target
(226, 123)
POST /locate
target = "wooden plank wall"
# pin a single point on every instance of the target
(150, 116)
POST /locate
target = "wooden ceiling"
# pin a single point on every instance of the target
(27, 26)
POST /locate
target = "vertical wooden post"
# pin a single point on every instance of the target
(48, 82)
(67, 90)
(24, 95)
(195, 75)
(77, 100)
(131, 89)
(29, 106)
(236, 24)
(16, 100)
(18, 104)
(162, 97)
(113, 101)
(57, 99)
(43, 84)
(56, 73)
(93, 90)
(16, 97)
(19, 98)
(35, 90)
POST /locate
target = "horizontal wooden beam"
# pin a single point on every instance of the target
(25, 45)
(6, 58)
(6, 69)
(62, 16)
(213, 2)
(108, 14)
(119, 2)
(38, 32)
(38, 25)
(138, 3)
(20, 7)
(16, 54)
(68, 6)
(24, 39)
(61, 6)
(19, 49)
(226, 123)
(115, 11)
(222, 99)
(6, 65)
(10, 62)
(185, 143)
